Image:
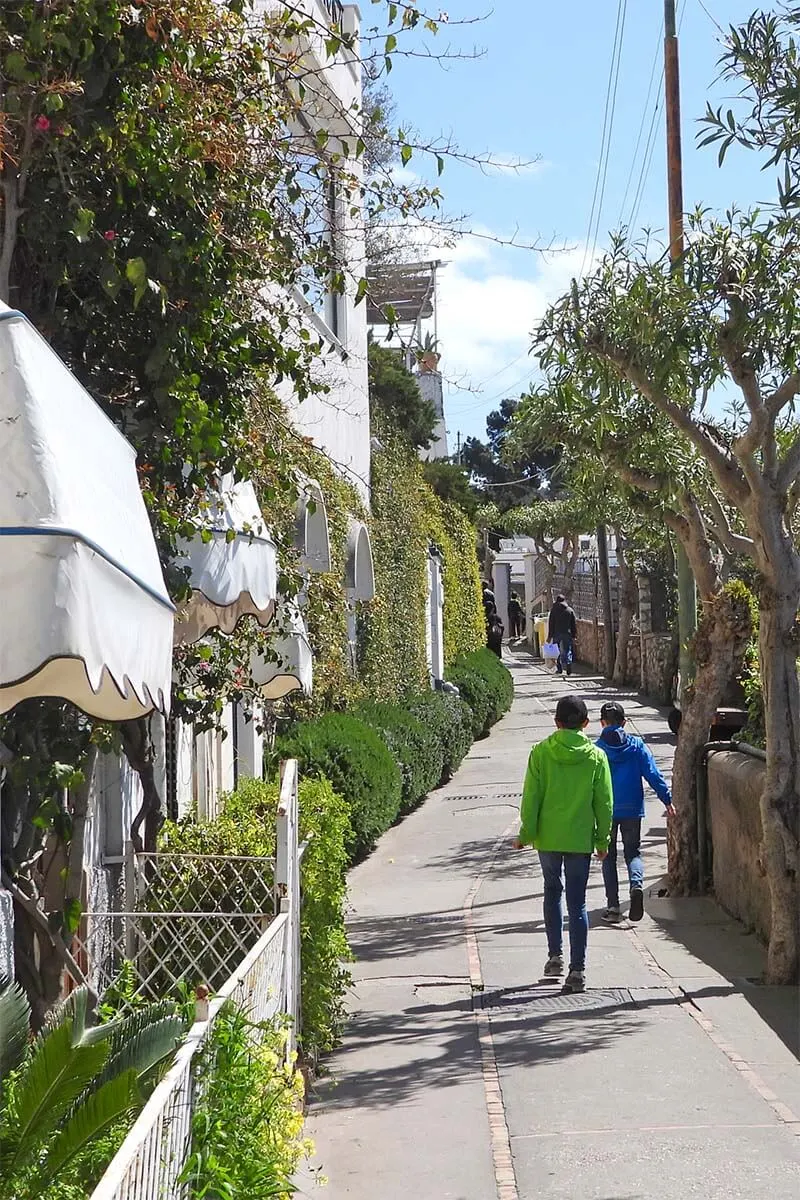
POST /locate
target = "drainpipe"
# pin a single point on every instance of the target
(703, 840)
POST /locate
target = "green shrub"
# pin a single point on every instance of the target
(360, 768)
(416, 748)
(450, 718)
(246, 826)
(247, 1128)
(486, 686)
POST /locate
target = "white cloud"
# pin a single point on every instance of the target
(487, 311)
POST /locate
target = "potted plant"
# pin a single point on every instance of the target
(428, 355)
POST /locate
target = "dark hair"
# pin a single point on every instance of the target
(613, 712)
(559, 599)
(571, 712)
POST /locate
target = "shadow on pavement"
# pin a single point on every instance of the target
(701, 927)
(438, 1048)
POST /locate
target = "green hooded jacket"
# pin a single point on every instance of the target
(567, 800)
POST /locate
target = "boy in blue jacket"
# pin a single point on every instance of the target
(630, 762)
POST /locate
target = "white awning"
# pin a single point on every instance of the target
(312, 538)
(85, 612)
(359, 573)
(295, 669)
(234, 571)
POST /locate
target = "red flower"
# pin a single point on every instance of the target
(42, 123)
(110, 235)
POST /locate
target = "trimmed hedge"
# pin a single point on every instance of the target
(450, 719)
(415, 747)
(358, 765)
(486, 686)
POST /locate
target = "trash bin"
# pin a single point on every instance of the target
(540, 631)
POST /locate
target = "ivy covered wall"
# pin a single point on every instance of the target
(407, 518)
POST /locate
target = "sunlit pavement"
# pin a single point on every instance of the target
(463, 1076)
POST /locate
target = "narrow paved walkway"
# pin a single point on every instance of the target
(464, 1076)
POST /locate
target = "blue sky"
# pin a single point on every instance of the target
(539, 91)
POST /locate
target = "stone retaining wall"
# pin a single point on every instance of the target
(659, 659)
(735, 783)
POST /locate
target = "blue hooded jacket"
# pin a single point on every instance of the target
(630, 763)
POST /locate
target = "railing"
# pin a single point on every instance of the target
(335, 12)
(184, 918)
(150, 1161)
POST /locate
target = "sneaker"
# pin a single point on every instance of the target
(575, 982)
(569, 670)
(636, 911)
(612, 915)
(554, 966)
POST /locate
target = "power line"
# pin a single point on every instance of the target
(711, 17)
(610, 131)
(602, 165)
(645, 111)
(647, 162)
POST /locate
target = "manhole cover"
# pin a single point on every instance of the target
(487, 798)
(536, 1005)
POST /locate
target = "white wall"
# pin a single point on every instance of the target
(338, 421)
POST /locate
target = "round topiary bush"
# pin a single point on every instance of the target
(357, 763)
(450, 718)
(416, 748)
(486, 686)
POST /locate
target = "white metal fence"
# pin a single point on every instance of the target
(149, 1163)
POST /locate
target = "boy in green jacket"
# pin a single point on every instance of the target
(567, 808)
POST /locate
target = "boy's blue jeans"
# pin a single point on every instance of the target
(575, 868)
(631, 830)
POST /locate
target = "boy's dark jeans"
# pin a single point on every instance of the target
(575, 869)
(631, 830)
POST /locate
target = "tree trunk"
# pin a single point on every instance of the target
(780, 802)
(140, 753)
(722, 637)
(628, 599)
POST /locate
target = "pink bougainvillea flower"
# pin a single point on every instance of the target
(42, 123)
(110, 235)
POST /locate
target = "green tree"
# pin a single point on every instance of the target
(451, 482)
(395, 400)
(673, 337)
(497, 474)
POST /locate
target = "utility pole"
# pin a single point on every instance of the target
(458, 447)
(687, 589)
(605, 593)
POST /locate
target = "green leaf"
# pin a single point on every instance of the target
(14, 1028)
(110, 280)
(90, 1121)
(83, 224)
(439, 164)
(72, 916)
(361, 290)
(405, 154)
(391, 44)
(136, 274)
(16, 66)
(54, 1077)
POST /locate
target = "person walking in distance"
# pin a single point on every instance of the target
(515, 616)
(566, 814)
(562, 629)
(631, 762)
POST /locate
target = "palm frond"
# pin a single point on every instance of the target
(55, 1075)
(148, 1046)
(75, 1009)
(15, 1013)
(114, 1100)
(123, 1029)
